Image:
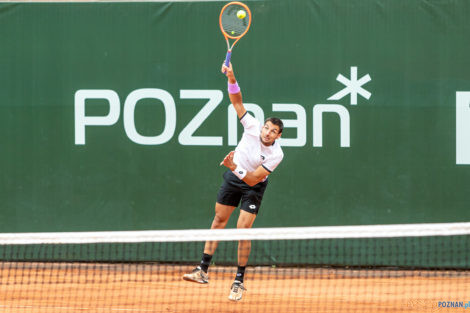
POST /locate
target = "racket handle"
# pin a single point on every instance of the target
(227, 59)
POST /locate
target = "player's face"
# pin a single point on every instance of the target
(269, 133)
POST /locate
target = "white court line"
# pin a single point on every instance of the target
(73, 308)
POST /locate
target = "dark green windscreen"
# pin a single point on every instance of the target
(367, 90)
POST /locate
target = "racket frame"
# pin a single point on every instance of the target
(228, 36)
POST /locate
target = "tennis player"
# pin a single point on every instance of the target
(256, 156)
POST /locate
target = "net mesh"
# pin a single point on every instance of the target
(231, 24)
(392, 268)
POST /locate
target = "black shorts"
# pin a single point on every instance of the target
(234, 189)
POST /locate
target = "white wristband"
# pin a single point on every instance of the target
(240, 172)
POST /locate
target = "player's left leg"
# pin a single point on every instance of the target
(245, 220)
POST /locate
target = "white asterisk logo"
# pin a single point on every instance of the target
(353, 86)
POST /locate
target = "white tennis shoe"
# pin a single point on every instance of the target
(197, 276)
(236, 291)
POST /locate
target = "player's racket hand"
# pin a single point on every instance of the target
(228, 161)
(228, 71)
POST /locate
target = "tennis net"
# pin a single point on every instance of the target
(377, 268)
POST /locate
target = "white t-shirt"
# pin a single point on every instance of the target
(251, 152)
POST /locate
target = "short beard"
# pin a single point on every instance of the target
(264, 143)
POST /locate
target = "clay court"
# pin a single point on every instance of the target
(67, 287)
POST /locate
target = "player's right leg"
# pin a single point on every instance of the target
(222, 214)
(199, 274)
(228, 197)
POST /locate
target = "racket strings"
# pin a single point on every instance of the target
(231, 24)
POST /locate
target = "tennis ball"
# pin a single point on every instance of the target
(241, 14)
(233, 32)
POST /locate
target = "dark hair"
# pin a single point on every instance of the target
(276, 121)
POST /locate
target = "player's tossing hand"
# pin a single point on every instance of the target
(228, 161)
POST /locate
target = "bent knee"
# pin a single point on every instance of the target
(220, 219)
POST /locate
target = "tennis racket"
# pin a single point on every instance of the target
(234, 21)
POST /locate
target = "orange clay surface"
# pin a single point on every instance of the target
(66, 287)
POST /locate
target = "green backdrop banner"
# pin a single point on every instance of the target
(115, 116)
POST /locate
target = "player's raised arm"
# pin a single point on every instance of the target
(233, 90)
